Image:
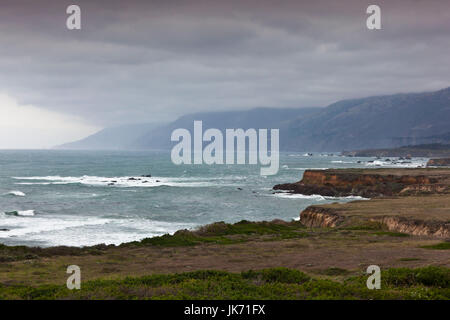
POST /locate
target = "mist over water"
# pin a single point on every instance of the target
(81, 198)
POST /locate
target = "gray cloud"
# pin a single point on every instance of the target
(155, 60)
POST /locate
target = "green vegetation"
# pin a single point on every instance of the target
(216, 233)
(428, 276)
(183, 238)
(280, 275)
(391, 234)
(375, 228)
(439, 246)
(17, 253)
(224, 233)
(276, 283)
(334, 271)
(365, 226)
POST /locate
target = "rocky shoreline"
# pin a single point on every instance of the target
(436, 150)
(440, 162)
(369, 183)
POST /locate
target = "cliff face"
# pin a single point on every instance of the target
(416, 227)
(320, 217)
(335, 179)
(418, 202)
(347, 182)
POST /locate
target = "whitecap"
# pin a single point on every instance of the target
(85, 230)
(316, 197)
(308, 168)
(340, 161)
(414, 163)
(284, 195)
(24, 213)
(16, 193)
(127, 181)
(348, 198)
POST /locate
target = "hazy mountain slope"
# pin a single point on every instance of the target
(113, 138)
(259, 118)
(374, 122)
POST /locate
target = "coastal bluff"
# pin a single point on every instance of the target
(370, 183)
(418, 216)
(408, 201)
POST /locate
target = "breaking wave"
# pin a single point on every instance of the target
(24, 213)
(16, 193)
(127, 181)
(316, 197)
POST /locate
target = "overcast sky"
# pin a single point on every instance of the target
(137, 61)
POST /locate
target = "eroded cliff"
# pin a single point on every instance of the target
(322, 217)
(369, 183)
(411, 201)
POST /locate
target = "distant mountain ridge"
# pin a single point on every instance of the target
(258, 118)
(365, 123)
(112, 138)
(374, 122)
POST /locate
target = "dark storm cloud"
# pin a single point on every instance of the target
(155, 60)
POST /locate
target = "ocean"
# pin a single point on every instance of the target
(82, 198)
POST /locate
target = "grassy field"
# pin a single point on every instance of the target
(215, 262)
(429, 207)
(274, 283)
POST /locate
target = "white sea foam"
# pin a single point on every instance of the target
(24, 213)
(341, 161)
(316, 197)
(16, 193)
(348, 197)
(310, 168)
(28, 226)
(127, 181)
(85, 231)
(415, 163)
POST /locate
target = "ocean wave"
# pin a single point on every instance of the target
(316, 197)
(23, 213)
(127, 181)
(398, 164)
(341, 161)
(86, 231)
(308, 168)
(299, 196)
(16, 193)
(348, 198)
(27, 225)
